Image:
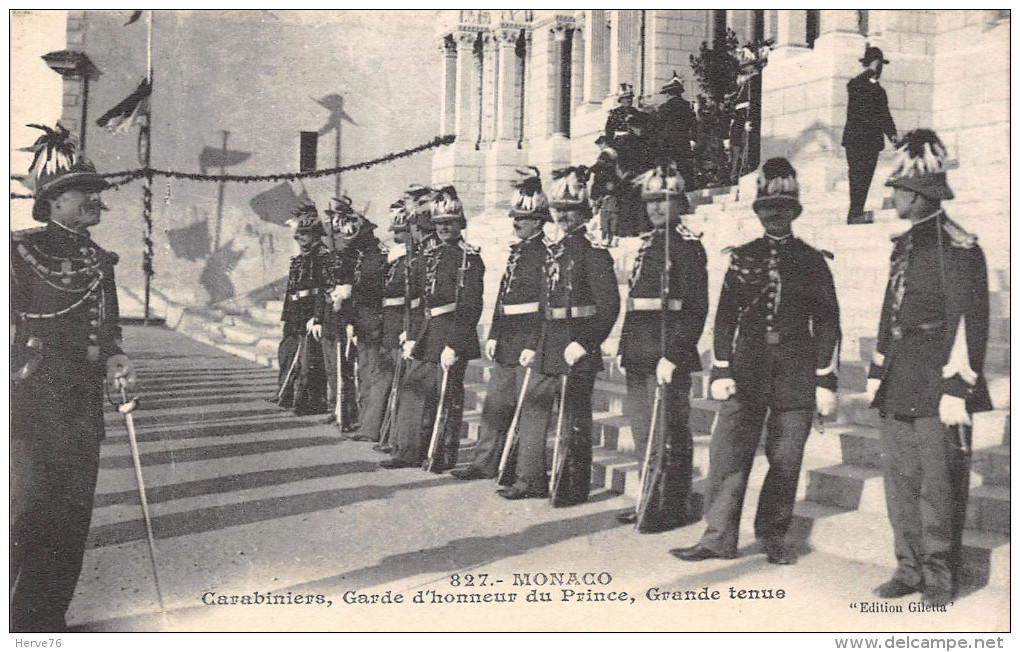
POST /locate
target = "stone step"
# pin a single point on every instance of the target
(867, 537)
(992, 464)
(859, 431)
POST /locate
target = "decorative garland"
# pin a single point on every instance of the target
(132, 175)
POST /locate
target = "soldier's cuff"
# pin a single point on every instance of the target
(956, 386)
(720, 370)
(877, 368)
(827, 381)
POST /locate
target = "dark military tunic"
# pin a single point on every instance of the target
(640, 350)
(676, 124)
(516, 324)
(932, 338)
(617, 120)
(868, 122)
(450, 286)
(302, 369)
(63, 297)
(777, 335)
(581, 277)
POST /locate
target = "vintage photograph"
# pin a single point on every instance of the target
(669, 320)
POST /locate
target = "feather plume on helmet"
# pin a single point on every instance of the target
(399, 215)
(529, 202)
(306, 218)
(419, 205)
(920, 165)
(343, 219)
(664, 180)
(57, 167)
(446, 206)
(569, 189)
(778, 186)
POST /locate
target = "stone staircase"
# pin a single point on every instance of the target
(841, 506)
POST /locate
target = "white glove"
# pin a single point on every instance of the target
(694, 144)
(825, 401)
(350, 333)
(726, 143)
(490, 349)
(722, 389)
(314, 329)
(403, 337)
(396, 252)
(408, 349)
(664, 371)
(527, 357)
(872, 389)
(573, 353)
(953, 411)
(340, 293)
(448, 357)
(120, 371)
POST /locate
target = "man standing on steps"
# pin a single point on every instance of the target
(302, 373)
(580, 306)
(516, 323)
(868, 123)
(926, 375)
(65, 344)
(441, 344)
(353, 309)
(640, 340)
(776, 347)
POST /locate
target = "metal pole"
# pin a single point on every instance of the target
(147, 163)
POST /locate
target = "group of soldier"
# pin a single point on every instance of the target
(380, 339)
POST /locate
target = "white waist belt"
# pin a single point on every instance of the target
(301, 294)
(389, 302)
(441, 310)
(653, 303)
(575, 312)
(519, 308)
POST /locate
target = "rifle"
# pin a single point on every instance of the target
(432, 464)
(558, 465)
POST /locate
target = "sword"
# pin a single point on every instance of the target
(392, 401)
(338, 410)
(290, 372)
(554, 480)
(430, 462)
(643, 491)
(126, 408)
(511, 437)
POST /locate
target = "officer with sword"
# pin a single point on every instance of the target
(66, 344)
(513, 336)
(440, 344)
(665, 314)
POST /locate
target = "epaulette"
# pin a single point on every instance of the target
(471, 249)
(958, 236)
(24, 234)
(596, 242)
(825, 252)
(686, 233)
(383, 248)
(736, 249)
(110, 257)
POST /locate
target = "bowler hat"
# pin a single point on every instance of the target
(872, 53)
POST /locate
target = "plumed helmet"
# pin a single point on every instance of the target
(446, 206)
(569, 188)
(343, 218)
(778, 186)
(399, 216)
(529, 202)
(58, 167)
(675, 86)
(920, 165)
(306, 219)
(664, 181)
(419, 203)
(626, 91)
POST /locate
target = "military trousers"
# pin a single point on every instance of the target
(731, 455)
(497, 413)
(302, 375)
(926, 489)
(638, 408)
(56, 430)
(341, 381)
(575, 447)
(419, 402)
(861, 164)
(375, 376)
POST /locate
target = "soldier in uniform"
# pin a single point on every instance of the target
(640, 341)
(65, 343)
(676, 129)
(580, 307)
(637, 155)
(516, 322)
(926, 375)
(352, 310)
(616, 121)
(302, 371)
(868, 123)
(776, 347)
(441, 342)
(397, 306)
(606, 190)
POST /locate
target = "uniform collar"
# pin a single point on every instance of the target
(60, 231)
(782, 240)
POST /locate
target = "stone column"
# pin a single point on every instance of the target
(465, 119)
(596, 56)
(448, 89)
(624, 48)
(791, 28)
(837, 20)
(577, 68)
(560, 89)
(506, 85)
(490, 86)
